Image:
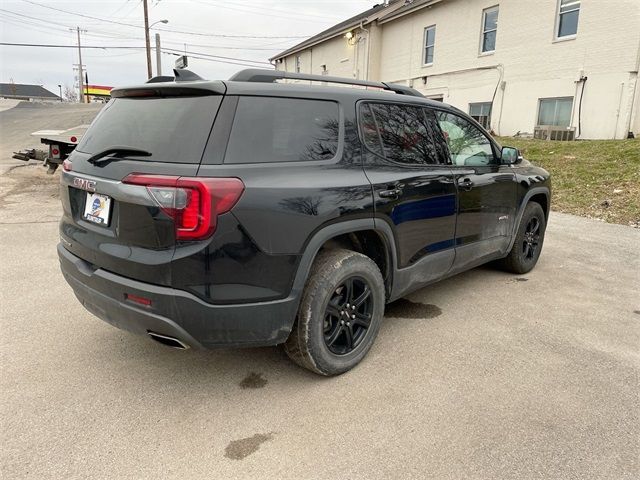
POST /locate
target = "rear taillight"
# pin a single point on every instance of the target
(193, 203)
(66, 165)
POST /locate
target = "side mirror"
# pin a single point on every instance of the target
(510, 156)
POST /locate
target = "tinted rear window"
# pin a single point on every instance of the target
(271, 129)
(174, 130)
(403, 133)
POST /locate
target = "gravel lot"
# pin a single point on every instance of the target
(485, 375)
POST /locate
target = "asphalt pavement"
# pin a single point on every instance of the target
(485, 375)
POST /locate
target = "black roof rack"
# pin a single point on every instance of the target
(270, 76)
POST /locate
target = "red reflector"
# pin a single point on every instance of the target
(55, 151)
(74, 139)
(193, 203)
(66, 166)
(136, 299)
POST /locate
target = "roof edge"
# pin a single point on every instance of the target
(330, 33)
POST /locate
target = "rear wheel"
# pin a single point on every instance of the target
(340, 313)
(528, 243)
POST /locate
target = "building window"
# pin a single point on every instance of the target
(555, 112)
(568, 15)
(489, 29)
(298, 63)
(481, 113)
(429, 44)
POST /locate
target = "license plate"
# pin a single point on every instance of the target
(97, 208)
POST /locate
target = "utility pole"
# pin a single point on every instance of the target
(86, 84)
(80, 76)
(158, 55)
(146, 37)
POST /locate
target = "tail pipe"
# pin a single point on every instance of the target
(168, 341)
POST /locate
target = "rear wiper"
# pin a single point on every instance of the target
(117, 151)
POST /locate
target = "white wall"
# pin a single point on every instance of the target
(336, 54)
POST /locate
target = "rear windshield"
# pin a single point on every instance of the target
(174, 130)
(273, 129)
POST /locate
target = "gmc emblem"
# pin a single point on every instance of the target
(84, 184)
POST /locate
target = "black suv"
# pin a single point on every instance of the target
(257, 212)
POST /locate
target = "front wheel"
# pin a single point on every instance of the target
(340, 313)
(528, 243)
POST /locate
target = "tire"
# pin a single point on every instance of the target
(320, 337)
(528, 243)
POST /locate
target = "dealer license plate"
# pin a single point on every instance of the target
(97, 208)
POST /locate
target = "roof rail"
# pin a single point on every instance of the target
(270, 76)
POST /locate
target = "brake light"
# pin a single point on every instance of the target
(66, 165)
(193, 203)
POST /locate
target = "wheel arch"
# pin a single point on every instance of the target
(540, 195)
(358, 235)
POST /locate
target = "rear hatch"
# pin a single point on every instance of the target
(122, 192)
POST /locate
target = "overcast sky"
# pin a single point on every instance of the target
(223, 28)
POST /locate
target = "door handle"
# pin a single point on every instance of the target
(465, 184)
(393, 193)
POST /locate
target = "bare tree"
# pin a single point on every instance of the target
(69, 95)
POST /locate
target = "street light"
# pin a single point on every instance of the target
(159, 21)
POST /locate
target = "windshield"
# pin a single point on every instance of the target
(173, 130)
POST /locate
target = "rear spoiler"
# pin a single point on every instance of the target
(183, 83)
(179, 75)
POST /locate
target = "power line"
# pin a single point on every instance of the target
(268, 12)
(52, 30)
(180, 52)
(198, 55)
(158, 29)
(46, 45)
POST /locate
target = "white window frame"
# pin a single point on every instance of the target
(556, 31)
(471, 105)
(425, 46)
(298, 64)
(483, 32)
(541, 99)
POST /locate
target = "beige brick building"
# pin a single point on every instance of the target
(515, 65)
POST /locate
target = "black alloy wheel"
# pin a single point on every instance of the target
(348, 316)
(531, 239)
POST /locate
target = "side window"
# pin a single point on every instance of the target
(274, 129)
(370, 130)
(403, 132)
(467, 144)
(439, 140)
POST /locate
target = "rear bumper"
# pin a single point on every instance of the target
(176, 313)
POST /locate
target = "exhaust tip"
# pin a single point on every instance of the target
(168, 341)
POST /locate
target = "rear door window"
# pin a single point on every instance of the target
(275, 129)
(403, 133)
(174, 130)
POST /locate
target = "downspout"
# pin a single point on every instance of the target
(615, 132)
(633, 94)
(368, 52)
